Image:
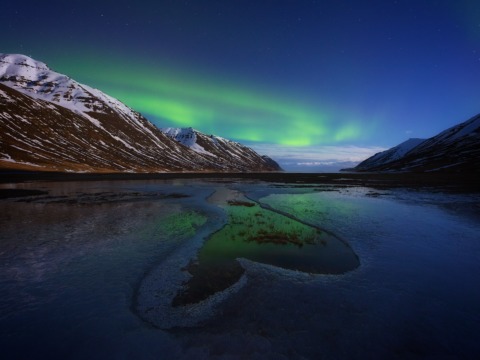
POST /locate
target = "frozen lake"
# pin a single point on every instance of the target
(89, 270)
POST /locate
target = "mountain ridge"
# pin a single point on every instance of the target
(456, 149)
(218, 147)
(390, 155)
(50, 122)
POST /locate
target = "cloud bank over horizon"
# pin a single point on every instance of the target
(322, 158)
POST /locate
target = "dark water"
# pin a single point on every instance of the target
(69, 270)
(266, 237)
(69, 273)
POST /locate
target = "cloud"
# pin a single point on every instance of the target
(322, 153)
(316, 158)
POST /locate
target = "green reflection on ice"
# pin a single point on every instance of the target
(266, 237)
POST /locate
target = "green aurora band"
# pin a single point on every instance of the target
(172, 98)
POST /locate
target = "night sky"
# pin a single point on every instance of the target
(307, 82)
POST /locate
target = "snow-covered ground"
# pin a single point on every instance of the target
(72, 264)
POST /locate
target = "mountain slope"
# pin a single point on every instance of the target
(38, 135)
(51, 122)
(390, 155)
(456, 149)
(221, 150)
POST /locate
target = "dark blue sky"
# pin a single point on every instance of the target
(297, 74)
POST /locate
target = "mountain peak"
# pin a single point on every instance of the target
(215, 147)
(456, 149)
(35, 79)
(390, 155)
(24, 62)
(50, 122)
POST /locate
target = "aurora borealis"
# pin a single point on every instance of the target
(170, 99)
(294, 79)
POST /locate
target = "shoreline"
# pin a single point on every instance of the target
(454, 182)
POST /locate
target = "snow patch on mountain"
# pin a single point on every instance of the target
(456, 149)
(453, 134)
(220, 149)
(402, 149)
(187, 137)
(36, 79)
(63, 125)
(390, 155)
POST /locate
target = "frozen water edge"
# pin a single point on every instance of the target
(161, 285)
(414, 296)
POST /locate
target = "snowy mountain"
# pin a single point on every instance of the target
(50, 122)
(456, 149)
(221, 150)
(390, 155)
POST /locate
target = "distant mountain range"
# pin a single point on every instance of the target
(49, 122)
(456, 149)
(224, 151)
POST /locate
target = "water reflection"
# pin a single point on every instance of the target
(264, 236)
